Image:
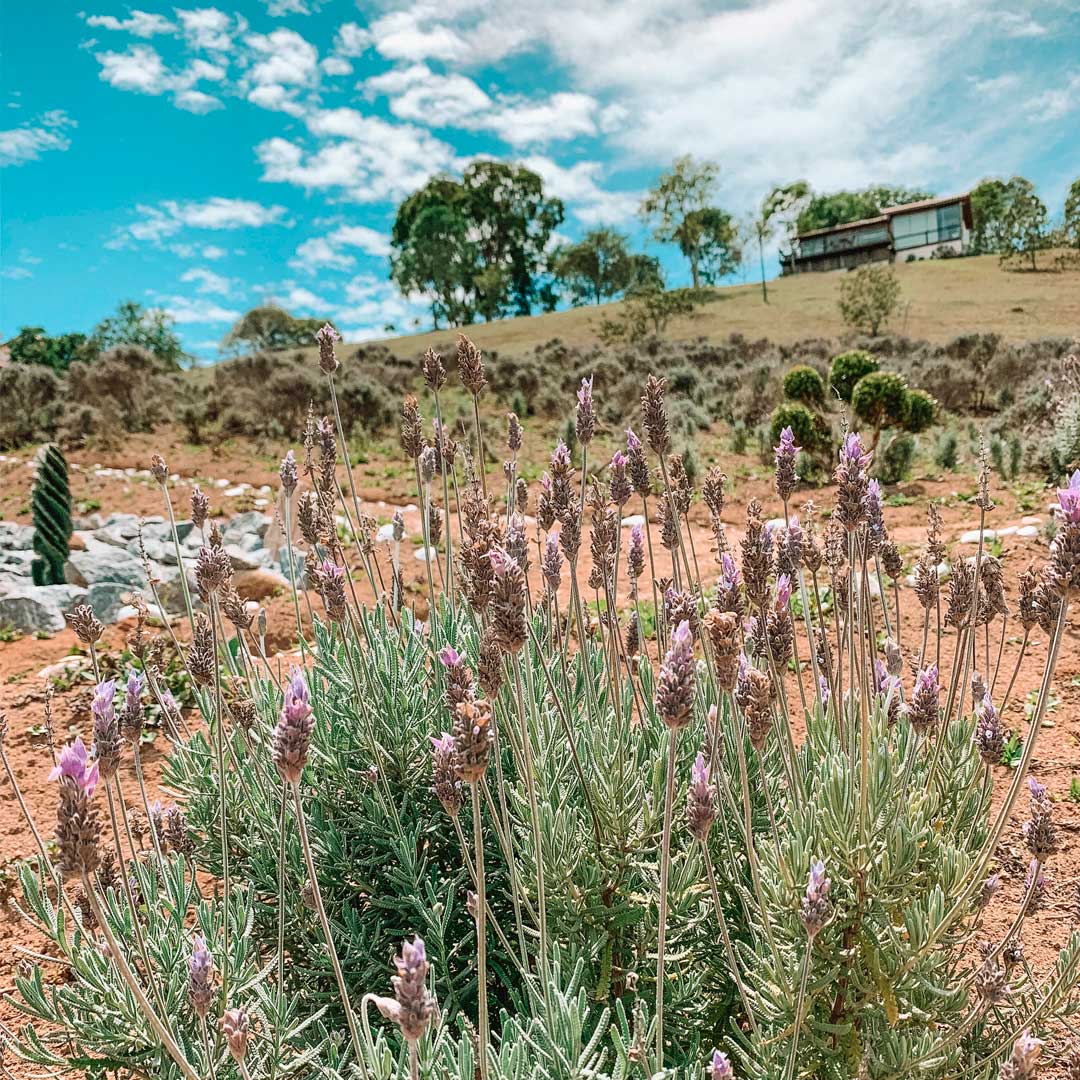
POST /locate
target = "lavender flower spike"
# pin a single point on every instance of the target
(785, 454)
(815, 908)
(74, 765)
(292, 735)
(200, 976)
(1069, 500)
(675, 684)
(700, 809)
(721, 1069)
(449, 656)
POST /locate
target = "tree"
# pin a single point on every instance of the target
(780, 202)
(842, 207)
(989, 203)
(1025, 222)
(647, 312)
(681, 212)
(268, 327)
(150, 329)
(1070, 228)
(600, 266)
(31, 345)
(868, 296)
(476, 246)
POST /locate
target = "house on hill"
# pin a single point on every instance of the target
(915, 230)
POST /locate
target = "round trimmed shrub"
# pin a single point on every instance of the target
(881, 400)
(803, 383)
(922, 411)
(800, 419)
(848, 368)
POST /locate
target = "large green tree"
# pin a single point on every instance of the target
(600, 266)
(825, 211)
(1070, 226)
(779, 205)
(1025, 224)
(149, 328)
(476, 246)
(269, 327)
(681, 210)
(989, 204)
(31, 345)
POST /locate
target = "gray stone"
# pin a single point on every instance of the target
(32, 609)
(250, 542)
(253, 522)
(107, 598)
(16, 562)
(246, 560)
(157, 551)
(16, 537)
(118, 536)
(117, 565)
(131, 612)
(170, 590)
(162, 530)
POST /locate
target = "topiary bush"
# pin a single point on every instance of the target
(803, 384)
(893, 463)
(921, 411)
(880, 400)
(803, 424)
(847, 369)
(50, 503)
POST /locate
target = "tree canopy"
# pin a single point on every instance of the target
(600, 266)
(31, 345)
(782, 202)
(681, 211)
(476, 247)
(149, 328)
(1009, 219)
(269, 327)
(825, 211)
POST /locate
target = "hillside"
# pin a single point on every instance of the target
(940, 299)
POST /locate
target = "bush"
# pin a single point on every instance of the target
(847, 369)
(803, 383)
(803, 423)
(946, 453)
(868, 297)
(620, 866)
(881, 400)
(31, 404)
(893, 463)
(921, 411)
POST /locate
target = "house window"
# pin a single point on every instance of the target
(926, 227)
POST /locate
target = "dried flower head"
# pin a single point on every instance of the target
(411, 429)
(473, 737)
(1038, 830)
(202, 662)
(87, 626)
(158, 469)
(585, 421)
(552, 562)
(445, 782)
(1024, 1059)
(287, 474)
(412, 1005)
(989, 734)
(924, 709)
(636, 466)
(722, 630)
(434, 370)
(991, 983)
(292, 735)
(654, 415)
(989, 887)
(131, 716)
(785, 455)
(327, 337)
(470, 366)
(331, 585)
(200, 506)
(621, 489)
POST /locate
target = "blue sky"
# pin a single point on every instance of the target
(204, 158)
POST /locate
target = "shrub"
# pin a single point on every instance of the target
(847, 369)
(803, 424)
(803, 383)
(921, 411)
(647, 312)
(31, 404)
(615, 867)
(50, 503)
(881, 400)
(893, 463)
(868, 297)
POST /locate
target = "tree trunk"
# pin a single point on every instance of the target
(761, 259)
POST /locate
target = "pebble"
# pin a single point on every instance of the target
(425, 554)
(633, 520)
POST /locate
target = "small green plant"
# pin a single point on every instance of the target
(1012, 751)
(947, 450)
(802, 383)
(1074, 789)
(740, 437)
(51, 507)
(847, 369)
(1016, 456)
(868, 297)
(9, 633)
(893, 463)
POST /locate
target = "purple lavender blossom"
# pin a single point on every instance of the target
(720, 1069)
(852, 453)
(989, 887)
(815, 908)
(449, 656)
(786, 447)
(633, 443)
(1069, 500)
(783, 593)
(730, 573)
(133, 692)
(560, 458)
(74, 765)
(823, 691)
(104, 697)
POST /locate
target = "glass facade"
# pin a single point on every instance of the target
(844, 241)
(923, 227)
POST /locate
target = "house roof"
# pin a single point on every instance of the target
(963, 199)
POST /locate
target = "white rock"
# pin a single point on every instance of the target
(110, 564)
(1009, 530)
(425, 554)
(152, 610)
(972, 536)
(265, 489)
(262, 502)
(385, 533)
(239, 489)
(244, 560)
(1031, 520)
(222, 483)
(16, 537)
(31, 608)
(1028, 531)
(633, 519)
(76, 662)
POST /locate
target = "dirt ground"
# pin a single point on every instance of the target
(383, 485)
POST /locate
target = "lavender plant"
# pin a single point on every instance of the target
(585, 850)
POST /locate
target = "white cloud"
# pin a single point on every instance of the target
(329, 251)
(336, 65)
(197, 251)
(400, 36)
(352, 40)
(140, 23)
(170, 217)
(579, 186)
(1020, 25)
(371, 304)
(210, 29)
(184, 310)
(31, 140)
(197, 101)
(284, 63)
(16, 273)
(141, 70)
(277, 8)
(208, 281)
(562, 116)
(366, 158)
(1053, 104)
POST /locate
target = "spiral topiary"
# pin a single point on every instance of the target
(847, 369)
(803, 383)
(51, 506)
